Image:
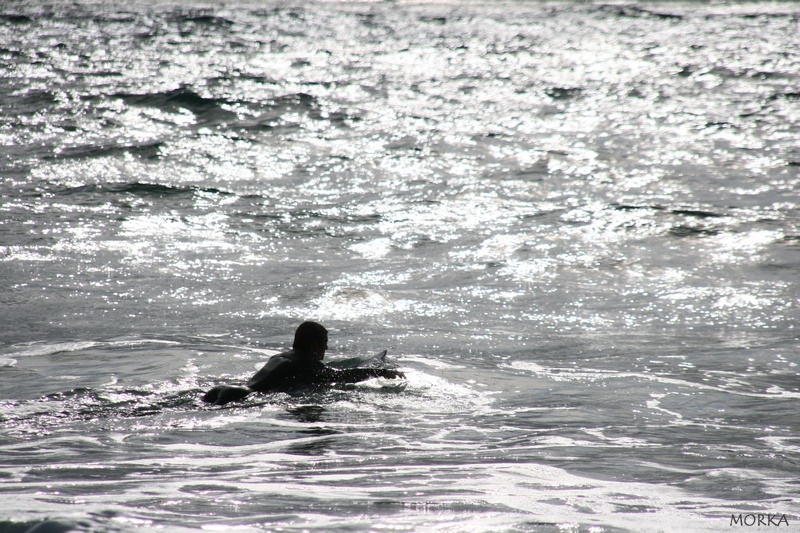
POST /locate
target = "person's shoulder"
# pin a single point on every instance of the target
(279, 361)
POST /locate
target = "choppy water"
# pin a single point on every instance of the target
(574, 226)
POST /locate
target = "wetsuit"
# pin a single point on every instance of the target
(288, 370)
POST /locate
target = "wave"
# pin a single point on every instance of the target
(202, 18)
(631, 11)
(689, 224)
(770, 392)
(47, 348)
(682, 230)
(15, 19)
(29, 102)
(270, 114)
(206, 109)
(698, 213)
(101, 405)
(137, 188)
(149, 150)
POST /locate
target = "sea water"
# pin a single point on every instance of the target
(574, 226)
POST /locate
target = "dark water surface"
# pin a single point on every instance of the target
(574, 226)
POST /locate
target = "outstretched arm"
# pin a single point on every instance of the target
(353, 375)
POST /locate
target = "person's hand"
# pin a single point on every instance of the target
(392, 374)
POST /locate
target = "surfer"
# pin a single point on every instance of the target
(302, 365)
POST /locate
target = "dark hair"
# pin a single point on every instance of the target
(308, 334)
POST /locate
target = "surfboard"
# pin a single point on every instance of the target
(376, 361)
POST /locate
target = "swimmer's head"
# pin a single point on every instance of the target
(311, 340)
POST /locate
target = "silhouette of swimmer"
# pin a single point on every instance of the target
(302, 365)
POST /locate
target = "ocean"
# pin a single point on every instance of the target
(575, 226)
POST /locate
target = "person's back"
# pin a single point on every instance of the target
(302, 365)
(284, 371)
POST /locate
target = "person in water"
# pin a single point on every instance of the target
(302, 365)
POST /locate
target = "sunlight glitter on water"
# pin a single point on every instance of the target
(588, 239)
